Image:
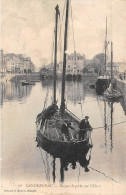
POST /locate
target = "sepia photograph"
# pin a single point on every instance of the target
(63, 97)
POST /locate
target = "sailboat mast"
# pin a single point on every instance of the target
(55, 56)
(64, 60)
(111, 61)
(106, 46)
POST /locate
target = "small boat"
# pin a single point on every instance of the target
(102, 84)
(35, 81)
(110, 92)
(49, 122)
(92, 86)
(27, 83)
(113, 95)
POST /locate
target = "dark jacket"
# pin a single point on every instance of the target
(84, 125)
(64, 129)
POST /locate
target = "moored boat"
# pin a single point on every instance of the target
(51, 120)
(49, 135)
(111, 92)
(27, 83)
(102, 84)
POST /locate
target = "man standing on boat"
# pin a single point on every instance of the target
(84, 127)
(65, 130)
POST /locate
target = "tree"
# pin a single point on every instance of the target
(85, 70)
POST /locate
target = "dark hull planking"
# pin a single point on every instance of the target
(61, 149)
(27, 83)
(101, 85)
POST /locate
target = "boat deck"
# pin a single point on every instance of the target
(53, 126)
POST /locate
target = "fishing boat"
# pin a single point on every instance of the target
(111, 92)
(49, 122)
(102, 84)
(28, 83)
(103, 81)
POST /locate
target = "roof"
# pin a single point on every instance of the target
(76, 54)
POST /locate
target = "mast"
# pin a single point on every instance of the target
(106, 45)
(55, 56)
(111, 61)
(64, 60)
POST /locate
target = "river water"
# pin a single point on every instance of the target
(23, 161)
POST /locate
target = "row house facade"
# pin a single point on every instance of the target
(2, 63)
(74, 64)
(15, 64)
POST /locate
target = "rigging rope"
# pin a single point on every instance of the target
(52, 50)
(100, 126)
(80, 101)
(100, 110)
(45, 102)
(60, 41)
(103, 174)
(110, 125)
(72, 25)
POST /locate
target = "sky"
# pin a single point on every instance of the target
(28, 28)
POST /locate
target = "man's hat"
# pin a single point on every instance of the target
(86, 116)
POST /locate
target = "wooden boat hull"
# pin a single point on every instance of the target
(113, 96)
(28, 83)
(61, 149)
(101, 85)
(92, 86)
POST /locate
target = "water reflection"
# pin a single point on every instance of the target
(47, 83)
(75, 91)
(66, 164)
(111, 125)
(13, 91)
(81, 160)
(107, 116)
(108, 152)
